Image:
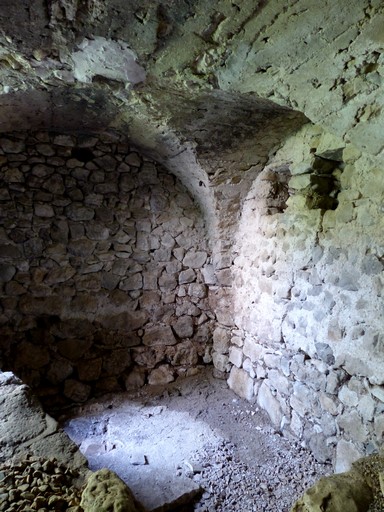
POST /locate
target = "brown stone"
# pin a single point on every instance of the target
(162, 375)
(185, 354)
(76, 391)
(90, 369)
(125, 322)
(159, 335)
(116, 362)
(74, 348)
(31, 356)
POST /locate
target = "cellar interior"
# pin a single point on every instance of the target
(190, 188)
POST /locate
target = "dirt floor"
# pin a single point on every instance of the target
(193, 446)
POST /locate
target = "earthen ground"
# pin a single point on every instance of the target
(193, 445)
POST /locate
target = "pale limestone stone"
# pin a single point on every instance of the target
(241, 383)
(379, 427)
(221, 362)
(378, 392)
(224, 277)
(329, 404)
(236, 356)
(270, 404)
(296, 425)
(253, 350)
(353, 426)
(346, 454)
(208, 274)
(302, 399)
(317, 443)
(366, 407)
(279, 382)
(179, 253)
(195, 259)
(348, 397)
(161, 375)
(221, 340)
(237, 340)
(248, 367)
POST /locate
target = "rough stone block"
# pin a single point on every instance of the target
(272, 360)
(183, 327)
(346, 454)
(296, 425)
(329, 403)
(187, 276)
(366, 407)
(248, 367)
(73, 348)
(116, 362)
(133, 282)
(197, 290)
(208, 274)
(164, 374)
(270, 404)
(319, 447)
(279, 382)
(59, 370)
(236, 356)
(221, 340)
(241, 383)
(195, 259)
(135, 380)
(379, 428)
(167, 282)
(253, 350)
(353, 426)
(31, 356)
(89, 369)
(105, 491)
(159, 335)
(185, 354)
(220, 362)
(348, 397)
(378, 392)
(76, 391)
(302, 399)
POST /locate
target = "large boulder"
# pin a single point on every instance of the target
(358, 490)
(106, 492)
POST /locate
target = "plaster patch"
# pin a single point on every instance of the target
(113, 60)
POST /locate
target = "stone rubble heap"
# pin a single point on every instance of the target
(103, 264)
(37, 484)
(232, 485)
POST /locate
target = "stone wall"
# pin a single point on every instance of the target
(307, 291)
(101, 266)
